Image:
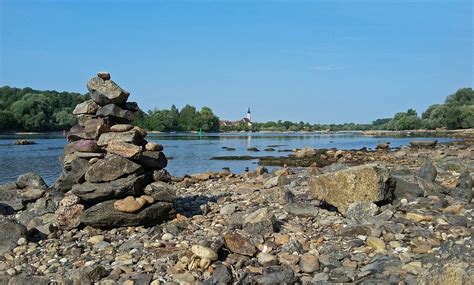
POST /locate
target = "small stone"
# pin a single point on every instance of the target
(266, 259)
(121, 128)
(309, 263)
(95, 239)
(152, 146)
(167, 237)
(204, 252)
(128, 205)
(104, 75)
(228, 209)
(418, 217)
(376, 243)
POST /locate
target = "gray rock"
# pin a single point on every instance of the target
(161, 191)
(72, 174)
(128, 137)
(11, 232)
(104, 92)
(423, 143)
(407, 190)
(23, 279)
(88, 274)
(276, 275)
(463, 191)
(221, 275)
(32, 194)
(260, 222)
(152, 160)
(161, 175)
(301, 209)
(119, 188)
(361, 212)
(86, 107)
(427, 170)
(279, 195)
(104, 215)
(11, 200)
(32, 180)
(116, 113)
(430, 187)
(111, 168)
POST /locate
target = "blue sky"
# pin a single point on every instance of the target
(315, 61)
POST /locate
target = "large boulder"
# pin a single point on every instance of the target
(104, 92)
(129, 137)
(119, 188)
(11, 232)
(104, 215)
(115, 112)
(365, 183)
(111, 168)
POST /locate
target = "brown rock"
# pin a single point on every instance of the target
(95, 127)
(124, 149)
(128, 205)
(237, 243)
(152, 146)
(121, 128)
(104, 75)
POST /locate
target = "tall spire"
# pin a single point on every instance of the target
(248, 112)
(249, 117)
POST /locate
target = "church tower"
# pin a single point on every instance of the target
(249, 116)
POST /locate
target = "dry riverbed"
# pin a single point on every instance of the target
(269, 228)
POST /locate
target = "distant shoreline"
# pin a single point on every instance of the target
(461, 133)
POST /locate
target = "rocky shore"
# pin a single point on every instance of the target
(116, 216)
(294, 225)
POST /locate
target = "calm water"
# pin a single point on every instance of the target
(190, 153)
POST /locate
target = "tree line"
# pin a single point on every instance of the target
(186, 119)
(26, 109)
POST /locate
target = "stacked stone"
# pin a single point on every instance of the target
(107, 158)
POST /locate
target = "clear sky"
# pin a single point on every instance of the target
(315, 61)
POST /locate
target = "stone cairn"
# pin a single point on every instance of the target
(111, 175)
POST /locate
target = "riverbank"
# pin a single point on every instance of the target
(267, 228)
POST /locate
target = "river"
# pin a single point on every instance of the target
(190, 153)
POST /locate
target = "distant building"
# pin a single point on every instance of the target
(247, 120)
